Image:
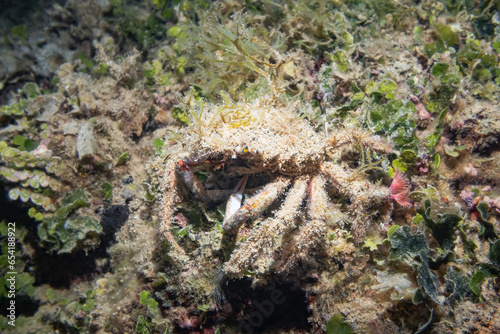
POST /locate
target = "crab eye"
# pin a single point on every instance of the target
(242, 149)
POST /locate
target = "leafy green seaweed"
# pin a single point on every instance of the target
(442, 230)
(487, 270)
(406, 244)
(488, 229)
(73, 200)
(395, 119)
(336, 325)
(457, 285)
(62, 234)
(429, 282)
(412, 247)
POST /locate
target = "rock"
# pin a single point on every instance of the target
(85, 141)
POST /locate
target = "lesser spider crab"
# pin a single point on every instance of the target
(251, 140)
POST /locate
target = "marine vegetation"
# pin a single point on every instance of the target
(250, 166)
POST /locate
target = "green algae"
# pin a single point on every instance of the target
(395, 119)
(336, 325)
(62, 234)
(443, 230)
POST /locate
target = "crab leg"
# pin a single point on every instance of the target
(255, 205)
(314, 230)
(363, 194)
(257, 252)
(170, 197)
(351, 136)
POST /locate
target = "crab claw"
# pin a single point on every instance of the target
(255, 205)
(191, 181)
(234, 201)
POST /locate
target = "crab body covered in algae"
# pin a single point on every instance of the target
(294, 175)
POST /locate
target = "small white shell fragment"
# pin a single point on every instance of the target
(85, 141)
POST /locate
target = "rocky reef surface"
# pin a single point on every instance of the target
(249, 166)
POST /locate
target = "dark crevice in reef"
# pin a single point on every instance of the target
(10, 211)
(282, 306)
(25, 305)
(61, 270)
(112, 220)
(149, 126)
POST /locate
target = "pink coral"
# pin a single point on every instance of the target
(400, 189)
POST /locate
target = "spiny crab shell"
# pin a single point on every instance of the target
(269, 139)
(308, 172)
